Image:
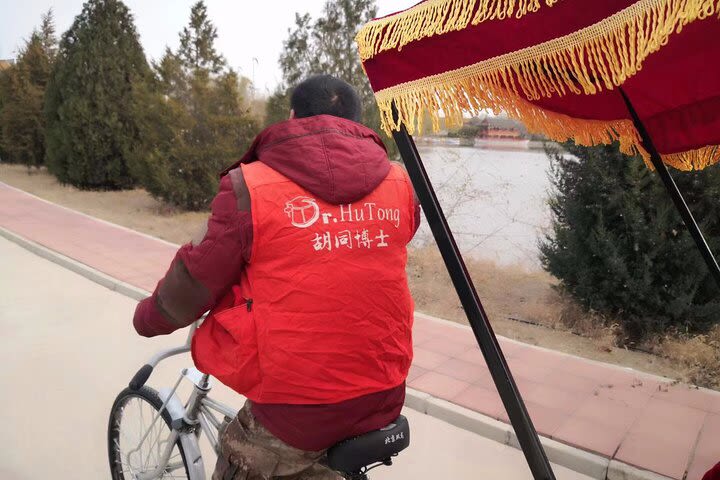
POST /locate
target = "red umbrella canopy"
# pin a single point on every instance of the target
(556, 65)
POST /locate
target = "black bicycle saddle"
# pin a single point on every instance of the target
(355, 454)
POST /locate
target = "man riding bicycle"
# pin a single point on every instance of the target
(302, 267)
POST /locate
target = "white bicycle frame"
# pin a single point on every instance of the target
(201, 415)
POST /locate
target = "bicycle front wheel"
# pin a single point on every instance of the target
(138, 437)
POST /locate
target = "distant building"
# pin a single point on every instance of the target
(5, 64)
(508, 133)
(499, 127)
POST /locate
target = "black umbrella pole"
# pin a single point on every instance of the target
(674, 192)
(519, 417)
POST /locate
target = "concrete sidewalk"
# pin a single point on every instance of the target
(617, 414)
(67, 364)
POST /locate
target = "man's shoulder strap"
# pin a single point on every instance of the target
(258, 173)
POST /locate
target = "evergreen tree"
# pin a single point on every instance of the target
(327, 45)
(4, 86)
(619, 246)
(197, 43)
(196, 117)
(47, 34)
(277, 108)
(22, 120)
(92, 133)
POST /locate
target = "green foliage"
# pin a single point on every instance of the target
(197, 43)
(195, 117)
(466, 131)
(92, 131)
(3, 94)
(619, 246)
(277, 108)
(327, 45)
(22, 122)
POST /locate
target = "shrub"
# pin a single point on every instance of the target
(619, 247)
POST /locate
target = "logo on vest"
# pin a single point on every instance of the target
(303, 211)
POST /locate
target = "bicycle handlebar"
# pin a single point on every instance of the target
(142, 375)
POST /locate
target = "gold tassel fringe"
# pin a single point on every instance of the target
(435, 17)
(600, 56)
(694, 159)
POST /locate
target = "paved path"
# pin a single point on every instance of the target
(69, 348)
(634, 418)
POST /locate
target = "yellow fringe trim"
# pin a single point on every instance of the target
(600, 56)
(694, 159)
(435, 17)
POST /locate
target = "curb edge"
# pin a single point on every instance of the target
(75, 266)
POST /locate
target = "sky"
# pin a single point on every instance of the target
(247, 29)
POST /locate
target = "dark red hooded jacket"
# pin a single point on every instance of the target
(712, 474)
(338, 160)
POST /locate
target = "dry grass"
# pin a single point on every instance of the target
(514, 295)
(511, 295)
(606, 333)
(510, 291)
(699, 355)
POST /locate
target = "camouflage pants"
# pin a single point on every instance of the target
(250, 452)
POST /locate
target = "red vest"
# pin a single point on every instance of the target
(322, 312)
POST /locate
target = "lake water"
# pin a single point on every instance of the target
(495, 200)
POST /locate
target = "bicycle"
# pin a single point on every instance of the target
(167, 445)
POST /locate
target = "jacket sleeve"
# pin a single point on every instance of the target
(206, 268)
(713, 473)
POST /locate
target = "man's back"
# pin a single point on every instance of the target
(331, 315)
(303, 267)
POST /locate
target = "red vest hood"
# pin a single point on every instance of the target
(338, 160)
